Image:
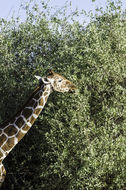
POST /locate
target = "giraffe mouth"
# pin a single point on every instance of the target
(72, 90)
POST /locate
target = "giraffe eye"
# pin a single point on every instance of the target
(60, 80)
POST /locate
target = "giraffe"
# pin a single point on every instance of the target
(14, 130)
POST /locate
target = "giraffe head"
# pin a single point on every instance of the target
(58, 82)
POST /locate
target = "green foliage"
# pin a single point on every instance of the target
(78, 142)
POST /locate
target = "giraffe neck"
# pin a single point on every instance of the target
(18, 126)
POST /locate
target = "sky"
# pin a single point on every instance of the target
(8, 7)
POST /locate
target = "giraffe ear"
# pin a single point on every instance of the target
(38, 77)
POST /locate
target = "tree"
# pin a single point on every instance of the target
(79, 140)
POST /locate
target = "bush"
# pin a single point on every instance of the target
(78, 142)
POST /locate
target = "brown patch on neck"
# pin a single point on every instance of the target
(3, 138)
(10, 130)
(19, 122)
(20, 135)
(9, 144)
(1, 155)
(26, 127)
(37, 111)
(32, 120)
(27, 113)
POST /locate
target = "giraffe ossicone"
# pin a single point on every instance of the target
(14, 130)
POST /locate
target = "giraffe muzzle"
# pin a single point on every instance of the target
(73, 90)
